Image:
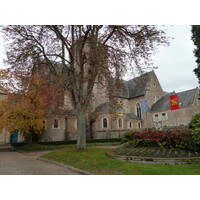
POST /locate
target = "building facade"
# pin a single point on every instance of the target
(104, 122)
(141, 104)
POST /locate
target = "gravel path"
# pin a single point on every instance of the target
(15, 163)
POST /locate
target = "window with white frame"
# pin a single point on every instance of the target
(139, 125)
(156, 117)
(138, 110)
(130, 124)
(120, 122)
(164, 116)
(104, 122)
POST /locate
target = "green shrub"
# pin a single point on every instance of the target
(182, 139)
(195, 128)
(126, 137)
(109, 140)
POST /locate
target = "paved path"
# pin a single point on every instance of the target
(15, 163)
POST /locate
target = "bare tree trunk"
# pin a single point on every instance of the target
(81, 130)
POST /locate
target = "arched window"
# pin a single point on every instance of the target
(120, 123)
(138, 110)
(55, 124)
(105, 123)
(130, 124)
(139, 125)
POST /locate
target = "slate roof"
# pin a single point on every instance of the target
(103, 107)
(135, 87)
(131, 116)
(186, 98)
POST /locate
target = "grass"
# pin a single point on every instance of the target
(40, 147)
(95, 161)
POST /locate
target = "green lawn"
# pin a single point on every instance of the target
(95, 161)
(41, 147)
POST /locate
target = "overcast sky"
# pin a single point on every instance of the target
(175, 62)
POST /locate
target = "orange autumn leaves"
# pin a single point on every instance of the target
(25, 110)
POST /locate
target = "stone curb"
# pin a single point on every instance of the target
(154, 160)
(81, 172)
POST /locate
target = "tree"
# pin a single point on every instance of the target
(196, 40)
(78, 55)
(26, 105)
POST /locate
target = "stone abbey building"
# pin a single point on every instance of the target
(142, 103)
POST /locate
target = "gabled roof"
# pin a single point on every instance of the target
(103, 107)
(131, 116)
(135, 87)
(186, 98)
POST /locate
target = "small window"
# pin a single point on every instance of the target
(55, 124)
(120, 123)
(105, 123)
(130, 124)
(138, 110)
(139, 125)
(164, 116)
(156, 117)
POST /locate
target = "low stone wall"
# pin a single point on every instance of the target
(103, 134)
(152, 160)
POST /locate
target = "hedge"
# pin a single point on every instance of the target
(69, 142)
(166, 139)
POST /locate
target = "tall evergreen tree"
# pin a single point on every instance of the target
(196, 40)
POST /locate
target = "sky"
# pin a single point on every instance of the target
(175, 62)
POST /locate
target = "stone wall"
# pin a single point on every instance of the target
(113, 130)
(180, 117)
(54, 134)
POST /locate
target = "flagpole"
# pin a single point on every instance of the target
(174, 105)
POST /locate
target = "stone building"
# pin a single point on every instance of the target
(129, 113)
(108, 123)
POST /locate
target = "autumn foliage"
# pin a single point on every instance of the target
(30, 99)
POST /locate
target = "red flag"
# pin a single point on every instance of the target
(174, 105)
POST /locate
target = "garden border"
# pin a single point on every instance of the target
(154, 160)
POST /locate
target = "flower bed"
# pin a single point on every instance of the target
(182, 139)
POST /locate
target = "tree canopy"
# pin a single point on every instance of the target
(79, 54)
(196, 40)
(24, 112)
